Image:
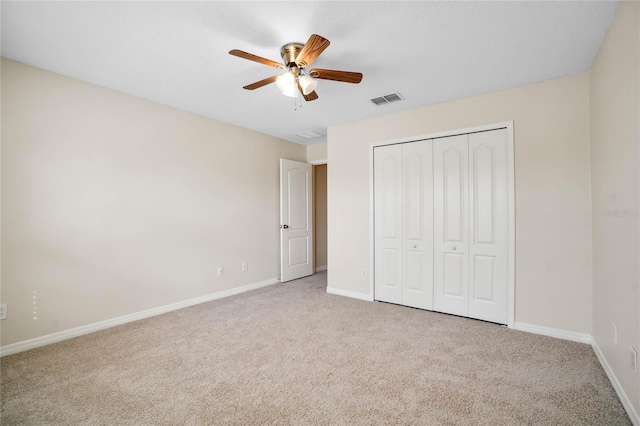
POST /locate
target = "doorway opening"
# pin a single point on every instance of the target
(320, 216)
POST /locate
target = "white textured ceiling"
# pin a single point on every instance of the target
(175, 53)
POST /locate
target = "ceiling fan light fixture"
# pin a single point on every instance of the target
(287, 84)
(307, 84)
(290, 92)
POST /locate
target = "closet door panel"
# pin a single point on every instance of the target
(451, 229)
(453, 274)
(488, 222)
(418, 224)
(415, 274)
(388, 217)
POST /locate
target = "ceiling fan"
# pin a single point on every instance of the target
(296, 58)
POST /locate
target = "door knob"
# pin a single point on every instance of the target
(285, 226)
(453, 248)
(415, 246)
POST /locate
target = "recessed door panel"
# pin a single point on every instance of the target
(484, 203)
(391, 268)
(415, 276)
(389, 262)
(390, 197)
(298, 253)
(450, 186)
(414, 187)
(453, 268)
(483, 278)
(298, 183)
(452, 191)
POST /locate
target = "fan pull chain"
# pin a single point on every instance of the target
(297, 100)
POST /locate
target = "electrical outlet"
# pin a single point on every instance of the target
(3, 311)
(245, 266)
(634, 360)
(364, 272)
(220, 271)
(615, 334)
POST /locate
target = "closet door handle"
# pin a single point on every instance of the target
(453, 248)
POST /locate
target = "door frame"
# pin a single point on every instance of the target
(511, 240)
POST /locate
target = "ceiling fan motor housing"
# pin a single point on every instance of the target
(289, 53)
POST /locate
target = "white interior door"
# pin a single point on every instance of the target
(488, 226)
(417, 175)
(451, 225)
(296, 227)
(388, 270)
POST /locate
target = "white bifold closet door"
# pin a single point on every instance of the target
(441, 225)
(470, 225)
(403, 209)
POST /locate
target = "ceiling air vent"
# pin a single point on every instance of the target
(309, 134)
(386, 99)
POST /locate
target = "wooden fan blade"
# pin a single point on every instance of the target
(261, 83)
(310, 97)
(310, 52)
(254, 58)
(344, 76)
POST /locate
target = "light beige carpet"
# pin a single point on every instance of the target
(292, 354)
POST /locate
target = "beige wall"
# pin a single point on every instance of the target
(316, 153)
(615, 166)
(113, 204)
(320, 208)
(553, 224)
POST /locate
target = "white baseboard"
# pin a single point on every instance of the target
(554, 332)
(626, 402)
(352, 294)
(101, 325)
(321, 268)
